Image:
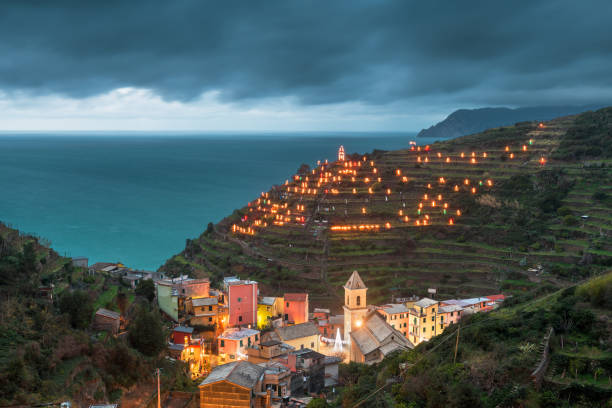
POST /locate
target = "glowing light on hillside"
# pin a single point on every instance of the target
(439, 196)
(473, 190)
(363, 210)
(354, 191)
(512, 155)
(462, 155)
(425, 196)
(450, 221)
(398, 172)
(405, 179)
(370, 190)
(542, 161)
(484, 155)
(439, 154)
(456, 188)
(473, 160)
(524, 148)
(433, 203)
(427, 159)
(459, 213)
(401, 212)
(388, 225)
(441, 180)
(466, 182)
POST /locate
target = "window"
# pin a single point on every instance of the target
(451, 314)
(239, 318)
(286, 316)
(210, 308)
(433, 328)
(268, 308)
(241, 344)
(347, 300)
(393, 326)
(433, 318)
(222, 343)
(233, 357)
(415, 321)
(257, 337)
(287, 304)
(358, 300)
(210, 319)
(239, 299)
(424, 320)
(312, 344)
(249, 341)
(301, 346)
(424, 329)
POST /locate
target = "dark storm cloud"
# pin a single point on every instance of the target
(317, 51)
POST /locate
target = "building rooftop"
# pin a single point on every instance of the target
(449, 308)
(337, 319)
(183, 329)
(307, 353)
(319, 310)
(355, 282)
(241, 373)
(267, 300)
(376, 333)
(206, 301)
(394, 308)
(297, 331)
(426, 302)
(237, 334)
(108, 313)
(296, 297)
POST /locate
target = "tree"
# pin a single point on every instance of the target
(146, 333)
(146, 289)
(78, 306)
(210, 228)
(317, 403)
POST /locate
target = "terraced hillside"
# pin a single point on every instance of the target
(507, 209)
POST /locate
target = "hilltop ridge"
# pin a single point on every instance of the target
(534, 211)
(468, 121)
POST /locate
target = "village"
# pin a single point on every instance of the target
(240, 344)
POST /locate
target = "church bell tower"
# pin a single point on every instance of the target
(355, 305)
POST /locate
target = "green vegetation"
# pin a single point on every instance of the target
(496, 356)
(48, 350)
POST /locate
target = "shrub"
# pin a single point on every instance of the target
(570, 220)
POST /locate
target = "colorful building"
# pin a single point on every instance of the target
(237, 384)
(448, 314)
(182, 335)
(167, 299)
(298, 336)
(204, 311)
(234, 342)
(268, 309)
(422, 325)
(396, 314)
(295, 308)
(242, 303)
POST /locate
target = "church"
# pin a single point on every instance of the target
(370, 338)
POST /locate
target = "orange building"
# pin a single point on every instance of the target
(397, 315)
(234, 342)
(296, 308)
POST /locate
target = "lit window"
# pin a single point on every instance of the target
(358, 300)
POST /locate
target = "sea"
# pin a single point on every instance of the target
(135, 197)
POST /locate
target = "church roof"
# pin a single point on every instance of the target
(355, 282)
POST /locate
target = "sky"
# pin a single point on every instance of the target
(367, 65)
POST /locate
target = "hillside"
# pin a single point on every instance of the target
(468, 121)
(48, 351)
(497, 356)
(534, 213)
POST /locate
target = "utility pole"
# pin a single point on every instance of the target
(158, 389)
(457, 343)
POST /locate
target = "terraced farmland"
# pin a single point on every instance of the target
(471, 216)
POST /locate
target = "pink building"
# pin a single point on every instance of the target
(234, 342)
(296, 308)
(449, 314)
(242, 303)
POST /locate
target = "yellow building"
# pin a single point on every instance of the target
(423, 323)
(298, 336)
(268, 309)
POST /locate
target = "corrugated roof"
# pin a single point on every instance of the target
(241, 373)
(297, 331)
(394, 308)
(355, 282)
(426, 302)
(108, 313)
(296, 297)
(183, 329)
(233, 334)
(267, 300)
(207, 301)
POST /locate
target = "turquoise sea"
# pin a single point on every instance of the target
(136, 197)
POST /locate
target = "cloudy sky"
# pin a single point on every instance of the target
(293, 65)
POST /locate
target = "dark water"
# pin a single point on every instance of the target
(135, 198)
